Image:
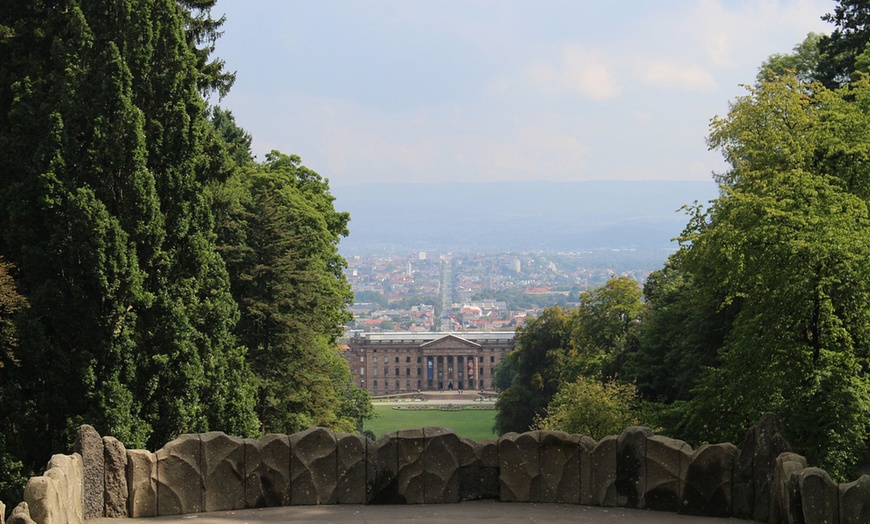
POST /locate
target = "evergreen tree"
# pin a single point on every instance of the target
(280, 233)
(104, 212)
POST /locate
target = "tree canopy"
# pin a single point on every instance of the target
(148, 246)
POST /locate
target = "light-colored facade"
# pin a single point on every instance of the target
(402, 362)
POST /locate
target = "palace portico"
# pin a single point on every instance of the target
(400, 362)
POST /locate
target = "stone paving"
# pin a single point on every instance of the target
(462, 513)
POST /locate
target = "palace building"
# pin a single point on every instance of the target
(403, 362)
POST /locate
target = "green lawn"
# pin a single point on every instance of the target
(471, 423)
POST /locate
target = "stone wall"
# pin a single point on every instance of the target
(762, 481)
(55, 497)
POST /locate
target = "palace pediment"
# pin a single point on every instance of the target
(450, 342)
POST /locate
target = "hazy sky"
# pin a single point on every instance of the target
(479, 90)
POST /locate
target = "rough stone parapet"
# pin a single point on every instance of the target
(638, 469)
(707, 490)
(854, 501)
(785, 493)
(21, 515)
(115, 489)
(180, 478)
(89, 445)
(267, 471)
(141, 483)
(667, 467)
(56, 496)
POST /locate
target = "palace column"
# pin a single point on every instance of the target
(460, 372)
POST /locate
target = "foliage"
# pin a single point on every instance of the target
(787, 246)
(279, 233)
(502, 375)
(605, 328)
(151, 251)
(591, 407)
(561, 345)
(537, 358)
(13, 477)
(11, 302)
(803, 62)
(681, 329)
(842, 50)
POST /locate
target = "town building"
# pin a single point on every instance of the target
(404, 362)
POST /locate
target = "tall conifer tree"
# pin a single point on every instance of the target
(103, 141)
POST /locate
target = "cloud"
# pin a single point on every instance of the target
(533, 152)
(727, 32)
(669, 75)
(576, 71)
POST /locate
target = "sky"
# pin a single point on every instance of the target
(427, 91)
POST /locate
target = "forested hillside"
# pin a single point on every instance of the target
(766, 304)
(154, 279)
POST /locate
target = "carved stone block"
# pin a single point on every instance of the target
(115, 463)
(383, 485)
(785, 491)
(72, 470)
(42, 495)
(708, 481)
(743, 483)
(352, 469)
(855, 501)
(604, 472)
(56, 496)
(520, 467)
(560, 467)
(489, 469)
(89, 445)
(267, 471)
(21, 515)
(223, 466)
(472, 475)
(410, 466)
(667, 463)
(586, 451)
(755, 468)
(631, 466)
(443, 456)
(313, 467)
(141, 483)
(819, 497)
(180, 481)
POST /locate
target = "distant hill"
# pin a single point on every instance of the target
(516, 216)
